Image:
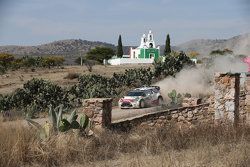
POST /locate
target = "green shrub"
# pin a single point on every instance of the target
(172, 65)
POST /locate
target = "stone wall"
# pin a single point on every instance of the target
(99, 110)
(226, 97)
(184, 116)
(245, 100)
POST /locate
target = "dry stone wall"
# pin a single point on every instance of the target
(99, 111)
(244, 111)
(226, 97)
(184, 116)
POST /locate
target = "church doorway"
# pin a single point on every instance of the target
(151, 55)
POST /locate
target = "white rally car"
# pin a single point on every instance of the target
(142, 97)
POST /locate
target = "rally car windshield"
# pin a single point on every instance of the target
(136, 93)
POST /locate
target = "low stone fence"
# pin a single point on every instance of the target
(99, 112)
(184, 116)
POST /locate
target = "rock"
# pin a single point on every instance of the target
(230, 116)
(195, 111)
(247, 101)
(190, 114)
(144, 124)
(225, 80)
(159, 121)
(151, 124)
(175, 116)
(184, 115)
(229, 106)
(169, 117)
(181, 118)
(230, 95)
(185, 105)
(218, 94)
(88, 112)
(162, 117)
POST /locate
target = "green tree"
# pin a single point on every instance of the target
(167, 50)
(193, 54)
(119, 51)
(6, 59)
(100, 53)
(221, 52)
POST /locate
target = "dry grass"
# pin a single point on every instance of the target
(15, 79)
(200, 146)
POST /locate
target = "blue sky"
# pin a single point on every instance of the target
(32, 22)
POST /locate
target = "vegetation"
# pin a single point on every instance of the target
(221, 52)
(172, 65)
(72, 75)
(175, 98)
(166, 146)
(8, 61)
(5, 62)
(99, 86)
(36, 93)
(100, 53)
(39, 94)
(88, 63)
(167, 49)
(193, 54)
(119, 51)
(58, 123)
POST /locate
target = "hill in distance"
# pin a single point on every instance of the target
(238, 44)
(73, 48)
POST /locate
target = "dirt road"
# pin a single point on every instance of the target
(118, 113)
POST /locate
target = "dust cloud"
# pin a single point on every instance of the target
(199, 80)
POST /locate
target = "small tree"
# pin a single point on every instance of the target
(167, 50)
(119, 51)
(6, 59)
(193, 54)
(100, 53)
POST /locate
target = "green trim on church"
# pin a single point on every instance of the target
(149, 53)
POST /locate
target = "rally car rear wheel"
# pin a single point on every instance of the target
(160, 100)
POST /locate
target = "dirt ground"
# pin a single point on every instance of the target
(15, 79)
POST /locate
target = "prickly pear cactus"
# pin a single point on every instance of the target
(175, 98)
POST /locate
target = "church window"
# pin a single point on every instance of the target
(150, 45)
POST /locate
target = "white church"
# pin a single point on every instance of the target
(145, 53)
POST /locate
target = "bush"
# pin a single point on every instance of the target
(6, 59)
(90, 86)
(35, 92)
(71, 76)
(172, 65)
(51, 61)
